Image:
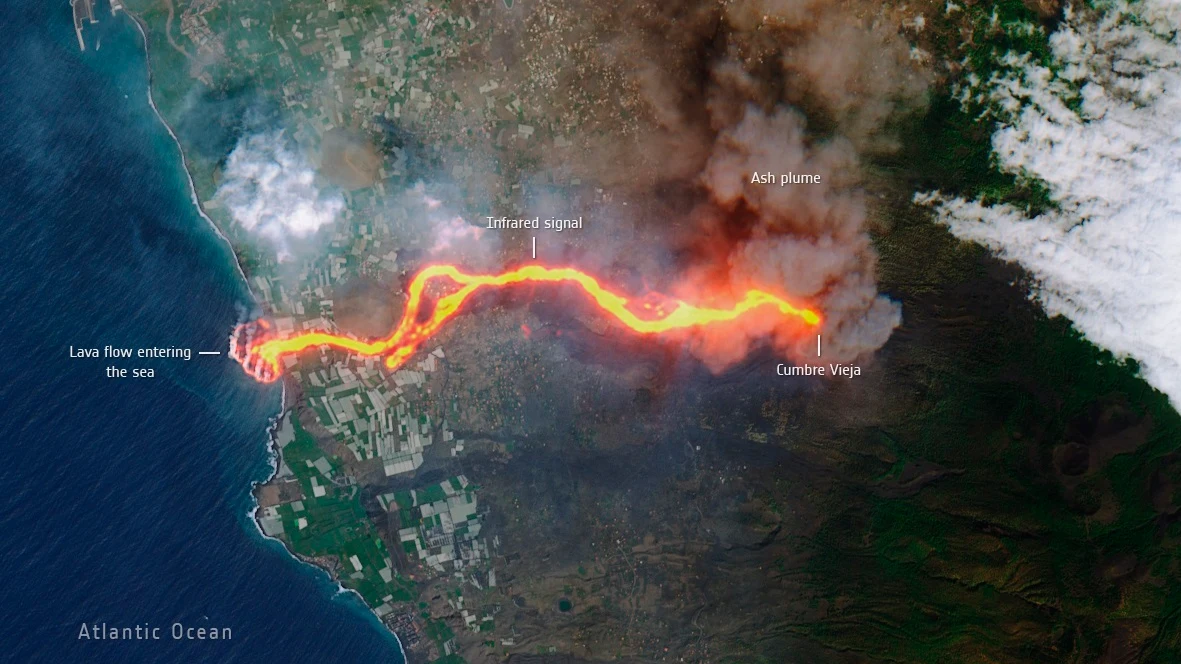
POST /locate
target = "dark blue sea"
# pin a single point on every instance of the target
(126, 501)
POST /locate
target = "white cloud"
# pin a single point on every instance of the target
(271, 189)
(1109, 258)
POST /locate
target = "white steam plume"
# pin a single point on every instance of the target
(270, 188)
(1109, 256)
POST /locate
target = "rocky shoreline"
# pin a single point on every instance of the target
(287, 401)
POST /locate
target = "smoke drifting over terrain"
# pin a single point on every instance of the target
(270, 188)
(1109, 256)
(452, 235)
(808, 239)
(721, 91)
(668, 109)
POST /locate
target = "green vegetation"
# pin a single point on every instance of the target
(949, 147)
(1022, 552)
(1051, 537)
(335, 525)
(1006, 557)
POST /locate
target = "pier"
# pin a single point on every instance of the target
(83, 11)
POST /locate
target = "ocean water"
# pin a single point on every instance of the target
(126, 501)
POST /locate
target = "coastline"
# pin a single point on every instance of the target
(273, 453)
(196, 199)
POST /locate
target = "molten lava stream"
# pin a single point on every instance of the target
(261, 357)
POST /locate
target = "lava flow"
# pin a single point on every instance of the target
(260, 352)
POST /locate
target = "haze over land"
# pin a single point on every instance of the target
(740, 89)
(537, 484)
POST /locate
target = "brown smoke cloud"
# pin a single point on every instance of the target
(695, 96)
(729, 90)
(809, 240)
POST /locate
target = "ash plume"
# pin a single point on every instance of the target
(809, 241)
(721, 91)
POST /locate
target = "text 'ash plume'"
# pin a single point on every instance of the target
(713, 92)
(725, 90)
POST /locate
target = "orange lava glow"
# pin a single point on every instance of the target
(262, 356)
